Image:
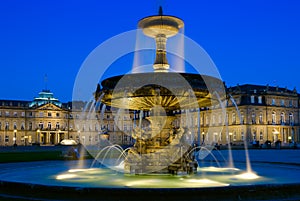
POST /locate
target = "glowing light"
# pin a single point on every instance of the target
(68, 142)
(247, 175)
(207, 182)
(78, 170)
(66, 176)
(218, 169)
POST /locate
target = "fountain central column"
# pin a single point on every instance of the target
(161, 27)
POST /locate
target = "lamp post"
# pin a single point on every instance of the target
(15, 138)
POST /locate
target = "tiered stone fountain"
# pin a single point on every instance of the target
(165, 148)
(161, 149)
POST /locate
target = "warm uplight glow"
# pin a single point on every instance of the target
(218, 169)
(78, 170)
(66, 176)
(206, 182)
(248, 175)
(68, 142)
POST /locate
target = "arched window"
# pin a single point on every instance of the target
(220, 119)
(242, 135)
(259, 100)
(253, 117)
(291, 119)
(273, 117)
(213, 119)
(6, 126)
(57, 125)
(261, 135)
(242, 118)
(49, 125)
(252, 99)
(15, 125)
(254, 135)
(233, 118)
(260, 118)
(273, 101)
(282, 118)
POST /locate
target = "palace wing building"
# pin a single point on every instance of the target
(266, 113)
(255, 114)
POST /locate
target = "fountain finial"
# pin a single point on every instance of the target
(160, 11)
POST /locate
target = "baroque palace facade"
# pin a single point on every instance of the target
(265, 113)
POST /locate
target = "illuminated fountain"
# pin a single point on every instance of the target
(168, 155)
(164, 148)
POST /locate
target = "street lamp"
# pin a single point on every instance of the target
(15, 137)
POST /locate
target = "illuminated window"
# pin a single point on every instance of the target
(254, 135)
(15, 125)
(242, 119)
(260, 118)
(273, 117)
(242, 135)
(282, 102)
(253, 117)
(252, 99)
(41, 125)
(273, 101)
(259, 100)
(233, 118)
(282, 118)
(291, 119)
(213, 119)
(261, 136)
(49, 125)
(234, 136)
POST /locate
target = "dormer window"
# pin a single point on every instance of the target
(252, 99)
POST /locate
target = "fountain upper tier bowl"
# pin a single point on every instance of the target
(172, 91)
(160, 24)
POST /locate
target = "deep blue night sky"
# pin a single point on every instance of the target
(251, 41)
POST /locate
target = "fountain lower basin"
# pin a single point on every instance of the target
(63, 180)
